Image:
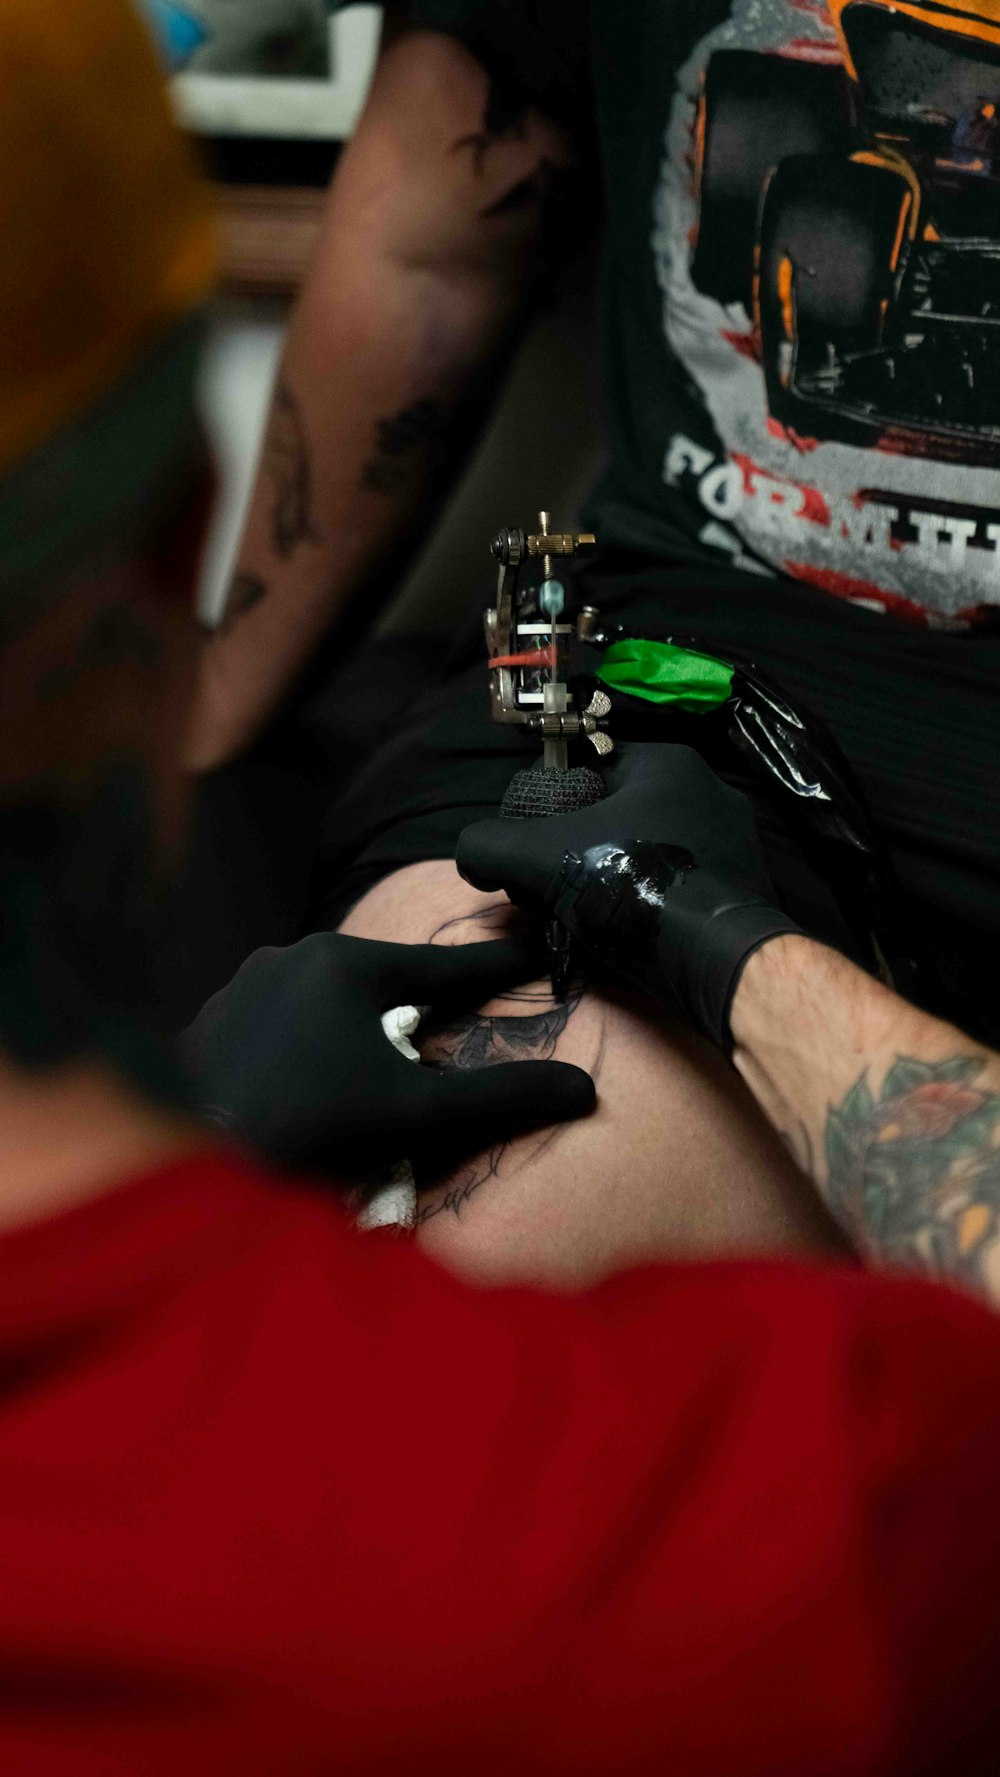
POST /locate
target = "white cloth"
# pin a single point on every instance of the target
(393, 1204)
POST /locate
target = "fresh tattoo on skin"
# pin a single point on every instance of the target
(530, 1031)
(286, 460)
(481, 1040)
(403, 445)
(915, 1170)
(245, 591)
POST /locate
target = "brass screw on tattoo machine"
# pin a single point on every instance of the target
(528, 644)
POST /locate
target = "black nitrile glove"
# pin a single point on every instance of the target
(664, 881)
(292, 1057)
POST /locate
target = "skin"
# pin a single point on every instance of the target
(675, 1163)
(426, 262)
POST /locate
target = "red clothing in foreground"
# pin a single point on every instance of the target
(277, 1499)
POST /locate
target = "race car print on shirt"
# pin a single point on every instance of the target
(839, 196)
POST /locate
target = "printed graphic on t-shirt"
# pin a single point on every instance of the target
(827, 239)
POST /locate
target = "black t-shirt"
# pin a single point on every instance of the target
(801, 279)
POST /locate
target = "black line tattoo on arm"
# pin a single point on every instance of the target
(286, 460)
(549, 184)
(404, 445)
(245, 591)
(915, 1171)
(414, 440)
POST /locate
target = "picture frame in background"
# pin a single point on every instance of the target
(271, 139)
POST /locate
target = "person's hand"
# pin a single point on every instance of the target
(664, 881)
(292, 1057)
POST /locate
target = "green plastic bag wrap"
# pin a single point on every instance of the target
(663, 673)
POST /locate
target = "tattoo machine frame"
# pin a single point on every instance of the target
(528, 639)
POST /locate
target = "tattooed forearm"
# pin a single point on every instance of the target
(245, 591)
(405, 444)
(914, 1172)
(286, 461)
(550, 184)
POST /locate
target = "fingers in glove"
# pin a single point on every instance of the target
(439, 1118)
(653, 765)
(459, 974)
(520, 857)
(493, 855)
(490, 1104)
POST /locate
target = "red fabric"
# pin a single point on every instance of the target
(275, 1499)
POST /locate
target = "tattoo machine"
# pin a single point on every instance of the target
(670, 687)
(528, 637)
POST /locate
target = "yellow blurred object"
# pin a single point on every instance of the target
(106, 235)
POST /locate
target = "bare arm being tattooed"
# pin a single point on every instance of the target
(895, 1115)
(426, 262)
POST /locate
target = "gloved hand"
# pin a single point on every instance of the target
(292, 1057)
(664, 881)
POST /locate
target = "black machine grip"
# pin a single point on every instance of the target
(532, 793)
(535, 791)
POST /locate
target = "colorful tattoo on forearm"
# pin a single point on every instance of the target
(914, 1172)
